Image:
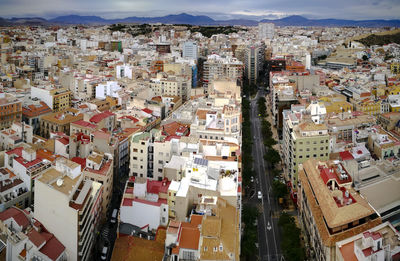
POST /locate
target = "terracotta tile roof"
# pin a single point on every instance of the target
(17, 214)
(135, 248)
(101, 116)
(80, 161)
(189, 238)
(33, 110)
(36, 238)
(53, 248)
(146, 110)
(85, 124)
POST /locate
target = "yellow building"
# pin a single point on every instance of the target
(395, 90)
(61, 99)
(335, 103)
(395, 68)
(172, 190)
(369, 107)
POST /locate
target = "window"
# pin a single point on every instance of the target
(221, 248)
(315, 155)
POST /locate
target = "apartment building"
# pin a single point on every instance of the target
(17, 133)
(189, 50)
(171, 85)
(383, 144)
(31, 114)
(13, 190)
(58, 99)
(330, 209)
(98, 167)
(28, 239)
(217, 67)
(253, 62)
(144, 203)
(378, 243)
(74, 211)
(10, 110)
(304, 139)
(266, 31)
(58, 122)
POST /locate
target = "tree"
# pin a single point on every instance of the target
(272, 156)
(291, 245)
(279, 189)
(269, 142)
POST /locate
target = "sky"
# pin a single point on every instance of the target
(217, 9)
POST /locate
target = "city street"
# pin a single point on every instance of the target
(268, 231)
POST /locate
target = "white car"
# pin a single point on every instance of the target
(251, 179)
(259, 195)
(104, 253)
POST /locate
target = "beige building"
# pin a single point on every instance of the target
(99, 168)
(383, 144)
(171, 85)
(330, 209)
(58, 122)
(73, 212)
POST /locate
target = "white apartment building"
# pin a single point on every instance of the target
(221, 67)
(190, 50)
(73, 212)
(110, 88)
(266, 31)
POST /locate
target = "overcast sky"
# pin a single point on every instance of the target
(217, 9)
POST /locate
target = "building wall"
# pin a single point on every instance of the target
(141, 214)
(57, 217)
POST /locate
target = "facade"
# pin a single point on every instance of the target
(11, 110)
(189, 50)
(58, 99)
(28, 239)
(330, 209)
(217, 67)
(58, 122)
(254, 56)
(378, 243)
(74, 211)
(32, 113)
(266, 31)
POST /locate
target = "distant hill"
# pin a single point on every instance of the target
(382, 39)
(77, 19)
(294, 20)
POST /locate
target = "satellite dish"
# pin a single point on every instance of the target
(59, 182)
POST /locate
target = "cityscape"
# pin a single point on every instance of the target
(179, 131)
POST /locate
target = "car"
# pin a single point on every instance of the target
(114, 216)
(104, 251)
(259, 115)
(259, 195)
(252, 179)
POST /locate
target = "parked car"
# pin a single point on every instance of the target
(252, 179)
(104, 252)
(259, 195)
(114, 216)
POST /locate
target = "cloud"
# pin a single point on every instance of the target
(256, 9)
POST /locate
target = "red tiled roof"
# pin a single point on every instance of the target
(130, 118)
(346, 155)
(80, 161)
(27, 164)
(16, 214)
(36, 238)
(326, 175)
(155, 186)
(85, 124)
(17, 151)
(53, 248)
(146, 110)
(189, 238)
(101, 116)
(64, 140)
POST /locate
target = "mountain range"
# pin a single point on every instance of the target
(294, 20)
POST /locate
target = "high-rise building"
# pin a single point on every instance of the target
(266, 31)
(73, 212)
(190, 50)
(253, 57)
(221, 67)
